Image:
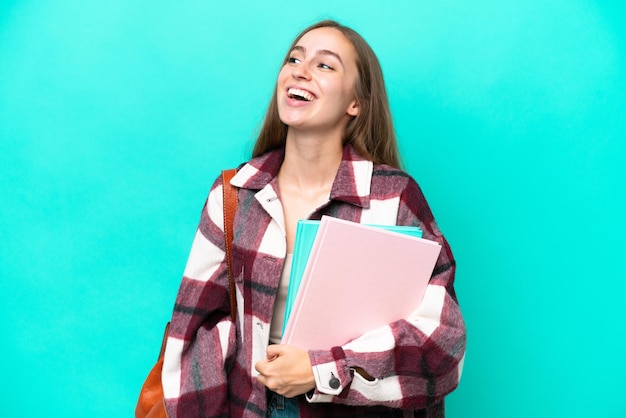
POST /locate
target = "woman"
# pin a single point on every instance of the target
(327, 147)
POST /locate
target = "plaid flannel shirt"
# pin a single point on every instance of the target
(209, 361)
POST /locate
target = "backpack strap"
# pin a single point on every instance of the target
(230, 207)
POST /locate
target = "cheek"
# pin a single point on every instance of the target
(344, 92)
(282, 76)
(280, 85)
(332, 87)
(350, 90)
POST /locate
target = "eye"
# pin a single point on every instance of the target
(325, 66)
(293, 60)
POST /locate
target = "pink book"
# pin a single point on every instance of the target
(358, 278)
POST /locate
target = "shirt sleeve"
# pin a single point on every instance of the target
(201, 324)
(409, 364)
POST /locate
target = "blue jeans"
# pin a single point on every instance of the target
(280, 407)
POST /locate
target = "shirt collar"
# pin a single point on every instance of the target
(352, 183)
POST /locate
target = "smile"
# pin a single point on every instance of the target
(299, 94)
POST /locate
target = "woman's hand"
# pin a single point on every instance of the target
(286, 371)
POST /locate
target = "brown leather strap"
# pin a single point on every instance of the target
(165, 334)
(230, 207)
(151, 403)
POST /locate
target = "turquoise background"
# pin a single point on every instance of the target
(115, 117)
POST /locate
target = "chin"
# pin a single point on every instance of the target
(290, 121)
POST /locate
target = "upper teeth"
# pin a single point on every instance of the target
(302, 93)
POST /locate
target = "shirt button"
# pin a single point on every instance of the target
(334, 383)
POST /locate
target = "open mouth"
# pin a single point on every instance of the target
(299, 94)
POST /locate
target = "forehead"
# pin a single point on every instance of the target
(328, 39)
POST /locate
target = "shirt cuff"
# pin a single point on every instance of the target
(331, 372)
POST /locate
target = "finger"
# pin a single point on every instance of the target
(273, 351)
(262, 380)
(270, 383)
(260, 366)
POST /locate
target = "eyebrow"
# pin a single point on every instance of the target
(319, 52)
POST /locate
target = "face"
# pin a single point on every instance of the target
(316, 85)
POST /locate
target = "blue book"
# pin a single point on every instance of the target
(306, 231)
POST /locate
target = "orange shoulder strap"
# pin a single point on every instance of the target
(230, 207)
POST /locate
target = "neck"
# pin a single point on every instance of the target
(310, 162)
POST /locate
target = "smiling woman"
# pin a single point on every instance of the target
(327, 147)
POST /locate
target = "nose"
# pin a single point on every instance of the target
(301, 72)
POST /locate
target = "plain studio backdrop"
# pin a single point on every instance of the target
(116, 116)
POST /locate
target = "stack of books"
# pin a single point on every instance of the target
(348, 278)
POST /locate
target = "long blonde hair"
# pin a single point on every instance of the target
(371, 132)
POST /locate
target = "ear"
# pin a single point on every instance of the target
(353, 108)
